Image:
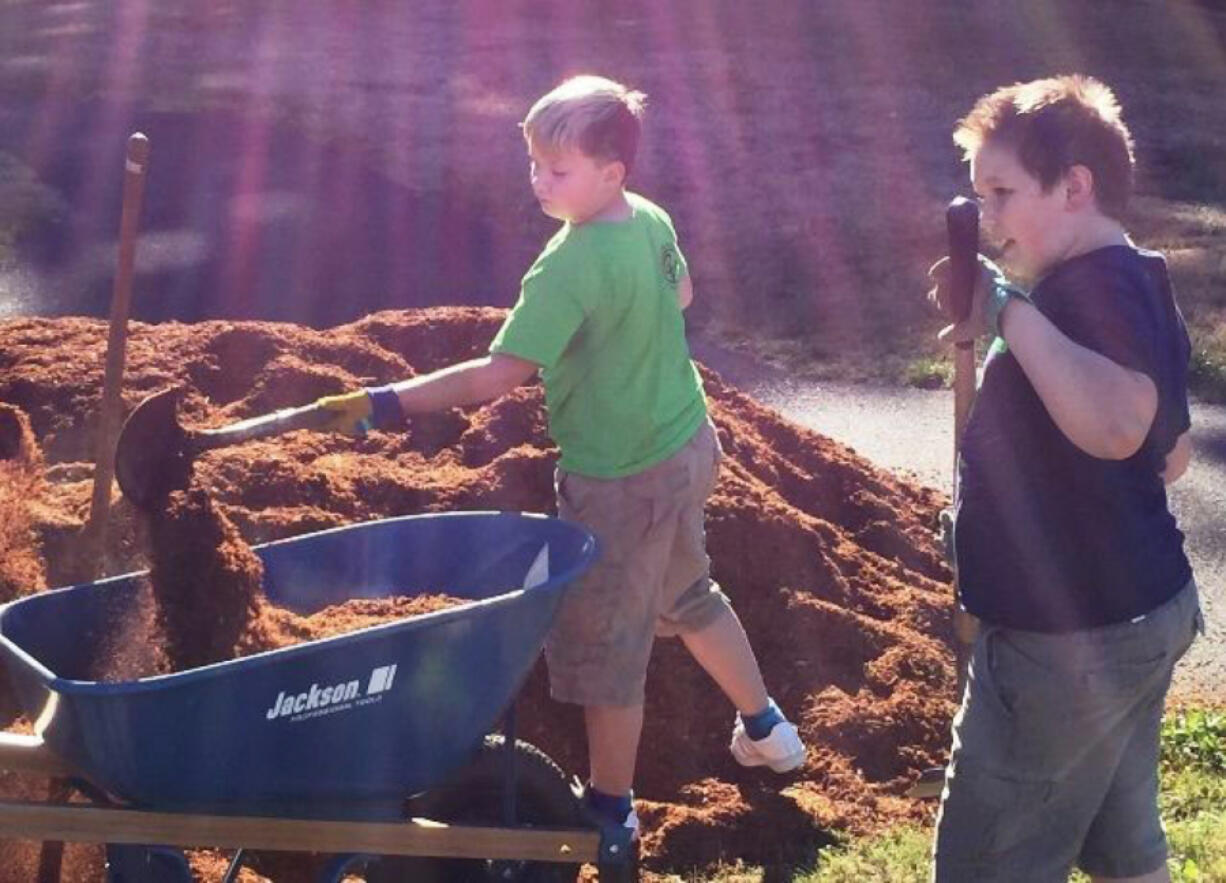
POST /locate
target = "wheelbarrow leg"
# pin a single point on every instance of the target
(619, 855)
(51, 856)
(510, 769)
(50, 862)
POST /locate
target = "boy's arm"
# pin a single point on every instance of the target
(1177, 460)
(1100, 406)
(685, 291)
(466, 383)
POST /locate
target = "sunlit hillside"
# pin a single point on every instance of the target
(314, 161)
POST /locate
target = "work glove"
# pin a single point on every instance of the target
(992, 291)
(356, 413)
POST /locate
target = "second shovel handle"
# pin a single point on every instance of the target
(962, 229)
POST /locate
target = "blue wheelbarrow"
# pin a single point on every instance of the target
(373, 746)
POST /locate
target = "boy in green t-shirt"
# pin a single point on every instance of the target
(599, 316)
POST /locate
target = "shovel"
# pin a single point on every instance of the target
(962, 224)
(135, 163)
(962, 227)
(154, 453)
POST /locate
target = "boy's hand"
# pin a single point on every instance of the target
(350, 413)
(356, 413)
(991, 292)
(1176, 463)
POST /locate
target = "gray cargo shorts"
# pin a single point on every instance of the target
(1055, 751)
(652, 576)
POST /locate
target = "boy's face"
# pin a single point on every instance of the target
(569, 184)
(1032, 228)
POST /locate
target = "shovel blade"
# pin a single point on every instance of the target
(152, 456)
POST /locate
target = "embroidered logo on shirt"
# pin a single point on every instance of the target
(670, 263)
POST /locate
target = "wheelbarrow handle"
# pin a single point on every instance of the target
(27, 753)
(286, 420)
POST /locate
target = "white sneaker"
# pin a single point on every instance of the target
(781, 750)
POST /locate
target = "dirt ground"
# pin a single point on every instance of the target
(830, 562)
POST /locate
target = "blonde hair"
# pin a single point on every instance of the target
(598, 116)
(1054, 124)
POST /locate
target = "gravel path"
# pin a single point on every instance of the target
(910, 431)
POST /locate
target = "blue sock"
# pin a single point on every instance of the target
(759, 726)
(608, 806)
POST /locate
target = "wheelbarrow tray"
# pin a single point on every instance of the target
(345, 727)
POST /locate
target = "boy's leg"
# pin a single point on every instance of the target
(601, 639)
(694, 608)
(1047, 728)
(722, 649)
(761, 735)
(692, 605)
(1126, 841)
(613, 733)
(1000, 819)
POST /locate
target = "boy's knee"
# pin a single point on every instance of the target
(698, 607)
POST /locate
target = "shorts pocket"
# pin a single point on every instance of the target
(986, 814)
(993, 682)
(567, 507)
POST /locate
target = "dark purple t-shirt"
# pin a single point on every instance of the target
(1047, 537)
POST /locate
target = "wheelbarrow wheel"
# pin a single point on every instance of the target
(474, 797)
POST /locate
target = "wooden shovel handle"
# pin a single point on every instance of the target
(135, 163)
(279, 422)
(962, 228)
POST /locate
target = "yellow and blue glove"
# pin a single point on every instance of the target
(358, 412)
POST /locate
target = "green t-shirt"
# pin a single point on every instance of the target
(598, 312)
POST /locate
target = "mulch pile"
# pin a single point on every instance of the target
(831, 563)
(21, 479)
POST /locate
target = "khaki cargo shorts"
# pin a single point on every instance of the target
(1055, 754)
(652, 576)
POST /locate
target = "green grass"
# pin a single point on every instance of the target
(1193, 771)
(1194, 740)
(1207, 371)
(898, 855)
(929, 372)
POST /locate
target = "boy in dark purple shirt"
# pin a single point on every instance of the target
(1064, 545)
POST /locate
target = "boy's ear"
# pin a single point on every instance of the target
(615, 172)
(1079, 187)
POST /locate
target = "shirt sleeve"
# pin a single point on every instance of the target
(1111, 312)
(675, 264)
(550, 310)
(1181, 416)
(1127, 315)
